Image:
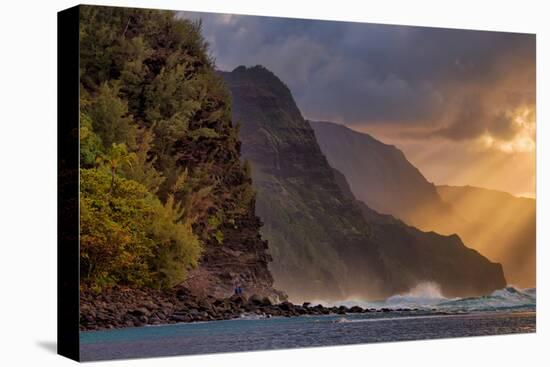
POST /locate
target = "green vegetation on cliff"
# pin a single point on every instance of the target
(160, 176)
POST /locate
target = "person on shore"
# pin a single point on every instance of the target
(238, 290)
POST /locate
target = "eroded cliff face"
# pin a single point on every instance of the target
(242, 259)
(381, 176)
(317, 237)
(417, 257)
(324, 243)
(234, 254)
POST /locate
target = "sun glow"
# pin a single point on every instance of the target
(511, 221)
(524, 139)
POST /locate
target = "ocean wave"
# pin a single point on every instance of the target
(424, 295)
(427, 296)
(509, 298)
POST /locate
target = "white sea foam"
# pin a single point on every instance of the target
(502, 299)
(423, 295)
(251, 316)
(428, 295)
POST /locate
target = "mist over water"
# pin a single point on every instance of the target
(427, 295)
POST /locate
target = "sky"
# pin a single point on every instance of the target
(459, 103)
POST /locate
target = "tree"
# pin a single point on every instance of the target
(110, 118)
(114, 160)
(114, 247)
(141, 167)
(178, 248)
(129, 237)
(90, 144)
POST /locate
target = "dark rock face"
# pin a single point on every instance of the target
(242, 260)
(415, 256)
(317, 237)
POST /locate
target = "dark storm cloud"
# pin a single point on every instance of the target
(447, 80)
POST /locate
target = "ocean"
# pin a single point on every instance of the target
(506, 311)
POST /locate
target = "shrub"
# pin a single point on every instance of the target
(129, 237)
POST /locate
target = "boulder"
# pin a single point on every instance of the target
(204, 305)
(356, 309)
(286, 306)
(238, 299)
(260, 301)
(141, 311)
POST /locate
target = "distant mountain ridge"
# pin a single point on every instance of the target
(501, 226)
(383, 166)
(427, 256)
(322, 243)
(381, 176)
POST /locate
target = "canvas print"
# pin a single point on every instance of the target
(254, 183)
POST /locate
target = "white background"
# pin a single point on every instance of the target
(28, 182)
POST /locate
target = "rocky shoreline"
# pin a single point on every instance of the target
(126, 307)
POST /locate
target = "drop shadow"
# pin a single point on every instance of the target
(50, 346)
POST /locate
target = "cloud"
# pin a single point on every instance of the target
(466, 124)
(453, 84)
